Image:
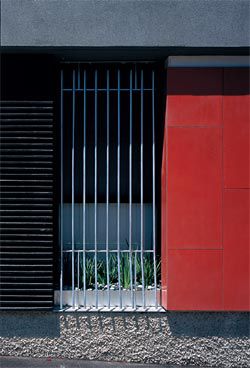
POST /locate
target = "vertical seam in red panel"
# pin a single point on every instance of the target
(222, 187)
(166, 163)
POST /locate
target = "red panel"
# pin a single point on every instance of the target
(194, 96)
(236, 250)
(194, 188)
(236, 111)
(236, 151)
(195, 280)
(198, 273)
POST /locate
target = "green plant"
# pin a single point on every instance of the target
(148, 267)
(101, 272)
(149, 270)
(137, 265)
(125, 270)
(89, 271)
(113, 269)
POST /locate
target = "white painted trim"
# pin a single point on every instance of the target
(208, 61)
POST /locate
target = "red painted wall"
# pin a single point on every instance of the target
(205, 190)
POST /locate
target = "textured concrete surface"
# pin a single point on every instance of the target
(90, 23)
(203, 339)
(10, 362)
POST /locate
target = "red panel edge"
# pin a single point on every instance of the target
(164, 256)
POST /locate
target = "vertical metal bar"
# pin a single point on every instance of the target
(118, 188)
(84, 190)
(107, 193)
(135, 76)
(95, 219)
(130, 183)
(73, 193)
(78, 270)
(78, 76)
(135, 270)
(153, 183)
(61, 199)
(142, 210)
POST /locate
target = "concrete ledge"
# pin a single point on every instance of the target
(203, 339)
(177, 23)
(208, 61)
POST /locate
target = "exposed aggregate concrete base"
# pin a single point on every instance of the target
(212, 339)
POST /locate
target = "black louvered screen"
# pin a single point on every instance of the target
(26, 204)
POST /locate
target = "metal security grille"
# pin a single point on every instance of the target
(108, 207)
(26, 204)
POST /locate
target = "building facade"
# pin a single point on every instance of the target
(125, 180)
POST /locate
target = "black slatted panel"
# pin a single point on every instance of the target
(26, 204)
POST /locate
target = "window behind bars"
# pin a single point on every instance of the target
(110, 159)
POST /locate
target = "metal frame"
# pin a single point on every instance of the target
(77, 253)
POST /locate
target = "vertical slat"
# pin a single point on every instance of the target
(73, 193)
(135, 76)
(61, 198)
(78, 253)
(118, 188)
(135, 270)
(84, 189)
(142, 209)
(78, 77)
(78, 271)
(95, 210)
(153, 183)
(107, 193)
(135, 255)
(130, 182)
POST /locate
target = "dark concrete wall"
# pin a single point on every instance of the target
(84, 23)
(203, 339)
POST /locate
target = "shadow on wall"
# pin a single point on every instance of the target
(29, 324)
(179, 324)
(208, 324)
(174, 324)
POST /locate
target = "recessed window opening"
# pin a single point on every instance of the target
(109, 184)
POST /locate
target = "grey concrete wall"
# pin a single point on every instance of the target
(90, 23)
(213, 339)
